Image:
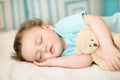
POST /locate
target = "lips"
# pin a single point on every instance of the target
(51, 49)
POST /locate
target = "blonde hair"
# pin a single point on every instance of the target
(25, 26)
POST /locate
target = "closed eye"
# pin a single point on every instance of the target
(41, 40)
(38, 40)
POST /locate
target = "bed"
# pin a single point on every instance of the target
(18, 70)
(16, 11)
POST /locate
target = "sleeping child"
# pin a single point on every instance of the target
(47, 45)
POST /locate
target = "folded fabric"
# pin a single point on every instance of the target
(113, 22)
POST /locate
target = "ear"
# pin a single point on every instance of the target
(46, 26)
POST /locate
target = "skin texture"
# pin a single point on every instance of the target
(49, 57)
(40, 44)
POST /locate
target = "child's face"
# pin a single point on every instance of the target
(39, 44)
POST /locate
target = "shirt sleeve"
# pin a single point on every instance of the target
(71, 24)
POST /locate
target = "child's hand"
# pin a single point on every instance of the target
(48, 62)
(112, 58)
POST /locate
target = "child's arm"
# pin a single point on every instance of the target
(110, 54)
(72, 61)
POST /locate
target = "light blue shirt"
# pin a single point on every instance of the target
(68, 29)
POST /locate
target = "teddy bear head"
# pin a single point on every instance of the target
(86, 41)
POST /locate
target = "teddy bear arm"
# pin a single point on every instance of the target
(97, 58)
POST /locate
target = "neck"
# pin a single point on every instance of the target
(64, 44)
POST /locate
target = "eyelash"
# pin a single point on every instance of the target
(40, 40)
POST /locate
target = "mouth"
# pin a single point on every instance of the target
(51, 49)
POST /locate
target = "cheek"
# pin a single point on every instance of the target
(46, 56)
(51, 38)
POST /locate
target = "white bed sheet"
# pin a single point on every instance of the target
(27, 71)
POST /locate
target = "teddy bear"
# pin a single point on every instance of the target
(87, 43)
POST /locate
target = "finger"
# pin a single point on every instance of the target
(115, 65)
(110, 65)
(36, 62)
(119, 66)
(117, 61)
